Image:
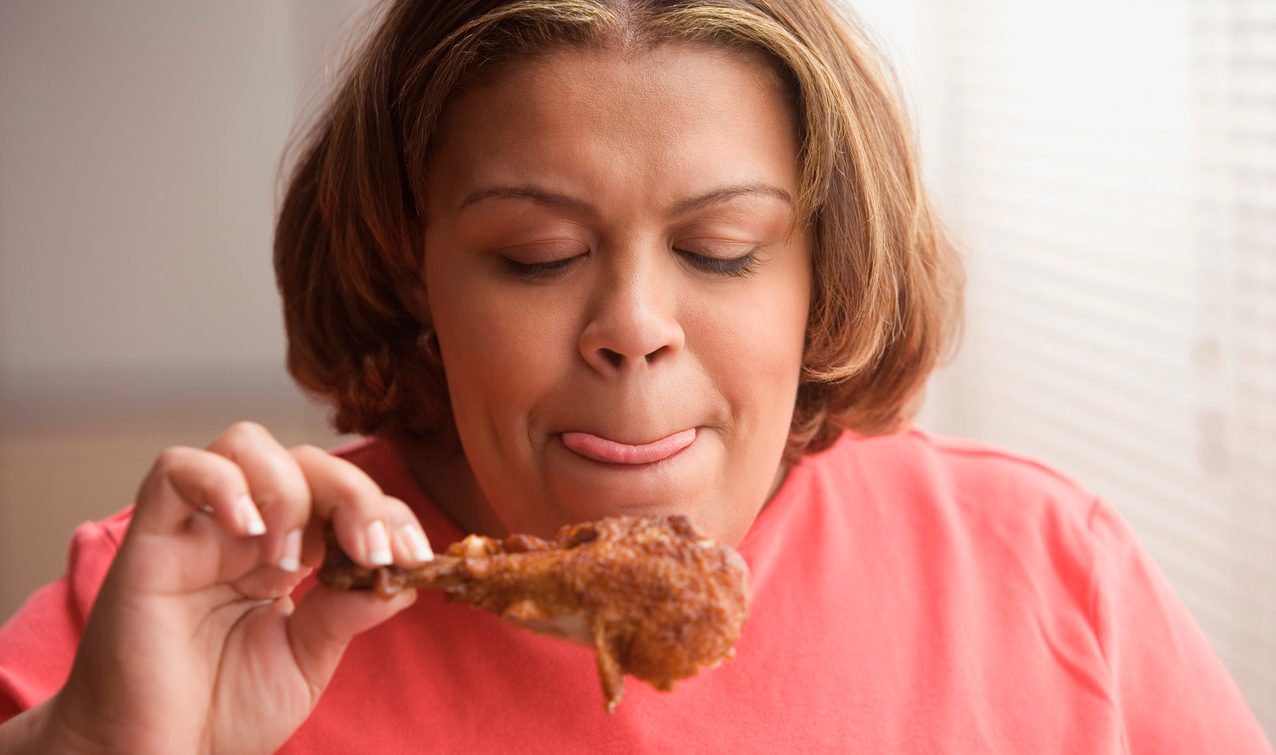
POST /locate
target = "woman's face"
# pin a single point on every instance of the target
(618, 287)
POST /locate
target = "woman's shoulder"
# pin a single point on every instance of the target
(381, 461)
(955, 489)
(968, 473)
(386, 464)
(367, 453)
(37, 644)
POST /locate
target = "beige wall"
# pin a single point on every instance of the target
(139, 141)
(55, 476)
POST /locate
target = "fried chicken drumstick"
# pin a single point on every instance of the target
(655, 598)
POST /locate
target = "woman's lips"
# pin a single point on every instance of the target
(613, 452)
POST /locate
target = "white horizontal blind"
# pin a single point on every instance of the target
(1110, 167)
(1235, 45)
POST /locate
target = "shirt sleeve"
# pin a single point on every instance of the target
(1174, 693)
(38, 643)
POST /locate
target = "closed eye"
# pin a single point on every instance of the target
(539, 270)
(734, 267)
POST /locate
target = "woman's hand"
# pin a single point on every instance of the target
(194, 643)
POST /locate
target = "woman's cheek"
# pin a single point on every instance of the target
(522, 342)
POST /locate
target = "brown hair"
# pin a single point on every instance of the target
(886, 300)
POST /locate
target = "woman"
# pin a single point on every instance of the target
(561, 259)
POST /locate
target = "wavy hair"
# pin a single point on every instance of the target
(887, 283)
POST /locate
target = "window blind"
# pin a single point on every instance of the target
(1110, 169)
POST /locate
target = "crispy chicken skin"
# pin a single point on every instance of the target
(655, 598)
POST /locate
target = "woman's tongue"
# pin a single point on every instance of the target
(613, 452)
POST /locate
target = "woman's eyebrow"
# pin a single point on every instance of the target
(530, 193)
(726, 194)
(682, 207)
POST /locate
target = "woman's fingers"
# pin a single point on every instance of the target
(199, 598)
(371, 527)
(271, 505)
(277, 487)
(184, 481)
(324, 622)
(411, 547)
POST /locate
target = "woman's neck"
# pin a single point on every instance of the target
(450, 485)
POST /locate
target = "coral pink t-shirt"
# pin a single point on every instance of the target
(911, 595)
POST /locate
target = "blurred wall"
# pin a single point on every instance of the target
(139, 143)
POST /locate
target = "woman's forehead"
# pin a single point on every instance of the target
(562, 60)
(585, 114)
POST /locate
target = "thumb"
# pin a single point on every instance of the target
(325, 621)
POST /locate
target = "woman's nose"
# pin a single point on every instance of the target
(633, 326)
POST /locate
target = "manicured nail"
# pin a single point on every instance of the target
(417, 544)
(249, 517)
(291, 560)
(379, 545)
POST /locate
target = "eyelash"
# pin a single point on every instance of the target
(732, 267)
(538, 270)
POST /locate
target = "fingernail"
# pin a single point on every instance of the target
(417, 544)
(379, 545)
(291, 560)
(249, 517)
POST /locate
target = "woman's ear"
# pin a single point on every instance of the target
(416, 300)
